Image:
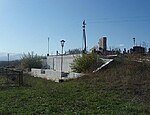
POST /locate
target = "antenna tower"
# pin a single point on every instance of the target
(84, 37)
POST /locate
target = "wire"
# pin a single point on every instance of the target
(121, 19)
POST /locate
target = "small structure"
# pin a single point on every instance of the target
(103, 43)
(138, 50)
(102, 48)
(54, 71)
(54, 61)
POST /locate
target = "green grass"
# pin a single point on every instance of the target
(113, 90)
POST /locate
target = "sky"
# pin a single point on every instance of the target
(25, 25)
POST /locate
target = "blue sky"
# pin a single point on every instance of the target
(25, 25)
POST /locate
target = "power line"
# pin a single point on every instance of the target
(121, 19)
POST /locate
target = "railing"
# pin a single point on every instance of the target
(12, 74)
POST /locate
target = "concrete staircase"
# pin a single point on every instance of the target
(106, 62)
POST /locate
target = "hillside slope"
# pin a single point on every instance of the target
(123, 87)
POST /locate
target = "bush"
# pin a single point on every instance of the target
(86, 63)
(31, 61)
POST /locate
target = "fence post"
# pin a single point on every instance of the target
(20, 78)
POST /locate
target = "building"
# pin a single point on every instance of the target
(102, 48)
(52, 68)
(103, 43)
(138, 50)
(53, 62)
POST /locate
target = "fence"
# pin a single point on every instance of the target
(13, 75)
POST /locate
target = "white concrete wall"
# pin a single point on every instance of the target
(53, 75)
(54, 72)
(49, 74)
(55, 62)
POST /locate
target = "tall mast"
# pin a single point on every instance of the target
(84, 36)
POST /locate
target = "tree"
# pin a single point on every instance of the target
(86, 63)
(30, 61)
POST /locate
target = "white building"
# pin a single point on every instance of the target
(53, 63)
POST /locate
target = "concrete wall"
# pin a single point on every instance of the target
(48, 74)
(52, 75)
(54, 72)
(55, 62)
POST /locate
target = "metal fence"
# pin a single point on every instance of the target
(12, 76)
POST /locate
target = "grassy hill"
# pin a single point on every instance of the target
(123, 87)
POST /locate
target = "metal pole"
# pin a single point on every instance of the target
(20, 78)
(84, 36)
(8, 59)
(61, 61)
(53, 63)
(48, 47)
(84, 40)
(61, 64)
(134, 41)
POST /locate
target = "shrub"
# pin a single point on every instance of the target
(86, 63)
(30, 61)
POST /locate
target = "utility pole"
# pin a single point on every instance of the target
(48, 47)
(84, 37)
(8, 59)
(134, 41)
